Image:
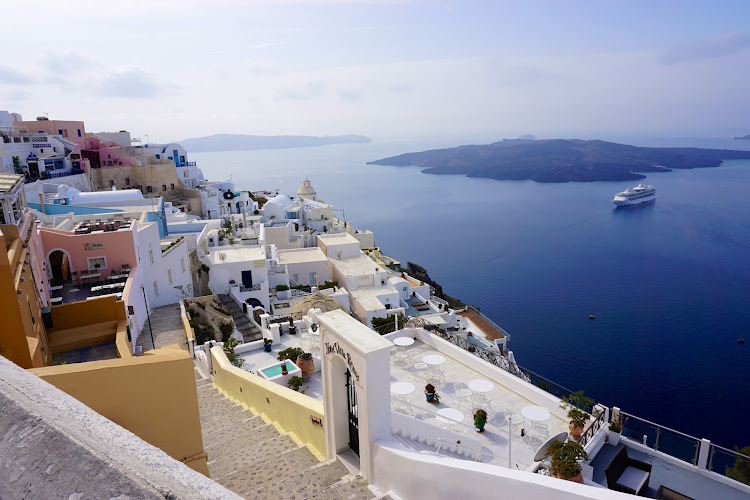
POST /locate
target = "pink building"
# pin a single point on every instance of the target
(71, 130)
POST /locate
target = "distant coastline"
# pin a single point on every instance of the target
(235, 142)
(743, 138)
(560, 160)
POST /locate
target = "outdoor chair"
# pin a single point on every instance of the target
(463, 394)
(402, 405)
(420, 369)
(627, 474)
(539, 431)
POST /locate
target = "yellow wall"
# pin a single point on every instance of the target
(288, 410)
(22, 336)
(87, 312)
(154, 396)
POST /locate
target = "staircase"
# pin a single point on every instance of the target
(247, 328)
(420, 447)
(251, 458)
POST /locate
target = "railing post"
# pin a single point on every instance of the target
(705, 447)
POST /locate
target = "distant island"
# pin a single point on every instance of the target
(560, 160)
(232, 142)
(743, 138)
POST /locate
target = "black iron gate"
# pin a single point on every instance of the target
(351, 397)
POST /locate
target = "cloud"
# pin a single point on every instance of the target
(256, 46)
(133, 83)
(18, 95)
(11, 76)
(66, 63)
(312, 90)
(707, 49)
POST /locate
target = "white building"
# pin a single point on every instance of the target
(240, 271)
(304, 266)
(219, 199)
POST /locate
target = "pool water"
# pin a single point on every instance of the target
(275, 371)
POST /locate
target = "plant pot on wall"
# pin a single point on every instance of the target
(307, 365)
(613, 437)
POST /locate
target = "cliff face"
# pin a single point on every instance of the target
(560, 160)
(420, 273)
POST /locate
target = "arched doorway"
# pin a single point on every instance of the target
(59, 266)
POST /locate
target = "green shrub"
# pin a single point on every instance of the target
(387, 325)
(232, 356)
(305, 288)
(281, 288)
(226, 328)
(328, 284)
(290, 353)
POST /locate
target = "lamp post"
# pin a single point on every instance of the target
(148, 317)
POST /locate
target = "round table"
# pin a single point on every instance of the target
(535, 413)
(434, 359)
(450, 416)
(481, 386)
(404, 341)
(402, 388)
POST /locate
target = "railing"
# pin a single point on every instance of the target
(251, 288)
(55, 175)
(488, 320)
(660, 438)
(729, 463)
(298, 293)
(599, 422)
(188, 164)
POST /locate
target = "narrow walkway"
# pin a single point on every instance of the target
(249, 457)
(167, 327)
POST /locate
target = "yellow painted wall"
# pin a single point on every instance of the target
(288, 410)
(154, 396)
(87, 312)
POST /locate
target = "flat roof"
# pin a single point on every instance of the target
(355, 266)
(337, 239)
(368, 297)
(238, 254)
(301, 255)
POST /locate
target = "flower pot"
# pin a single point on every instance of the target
(429, 396)
(613, 437)
(575, 432)
(307, 365)
(479, 428)
(267, 347)
(284, 371)
(292, 330)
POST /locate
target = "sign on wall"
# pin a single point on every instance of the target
(93, 246)
(335, 348)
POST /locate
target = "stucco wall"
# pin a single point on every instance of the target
(117, 247)
(288, 410)
(153, 396)
(155, 176)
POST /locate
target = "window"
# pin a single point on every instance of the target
(79, 132)
(182, 262)
(96, 263)
(131, 310)
(158, 157)
(109, 156)
(127, 181)
(182, 159)
(151, 254)
(171, 186)
(169, 276)
(109, 163)
(295, 278)
(42, 150)
(111, 183)
(163, 187)
(149, 189)
(156, 289)
(59, 132)
(313, 281)
(185, 173)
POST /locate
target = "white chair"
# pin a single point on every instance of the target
(420, 369)
(463, 394)
(402, 405)
(539, 431)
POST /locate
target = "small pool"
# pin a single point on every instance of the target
(275, 371)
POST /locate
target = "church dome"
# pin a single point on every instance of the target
(306, 190)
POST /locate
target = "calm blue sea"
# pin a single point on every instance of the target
(669, 283)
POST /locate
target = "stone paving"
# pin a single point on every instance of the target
(251, 458)
(167, 327)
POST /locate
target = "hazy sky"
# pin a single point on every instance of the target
(563, 68)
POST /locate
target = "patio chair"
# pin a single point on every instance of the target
(402, 405)
(539, 431)
(627, 474)
(463, 394)
(420, 369)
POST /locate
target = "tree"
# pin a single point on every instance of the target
(741, 470)
(17, 165)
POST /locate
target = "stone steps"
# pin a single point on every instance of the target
(249, 457)
(247, 328)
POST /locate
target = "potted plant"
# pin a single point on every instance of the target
(429, 392)
(307, 365)
(267, 344)
(292, 328)
(480, 419)
(614, 430)
(294, 382)
(284, 370)
(565, 457)
(576, 404)
(231, 282)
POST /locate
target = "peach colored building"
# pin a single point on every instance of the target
(71, 130)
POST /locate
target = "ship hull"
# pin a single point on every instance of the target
(638, 201)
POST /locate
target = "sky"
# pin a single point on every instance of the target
(170, 70)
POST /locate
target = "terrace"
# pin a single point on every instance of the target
(91, 284)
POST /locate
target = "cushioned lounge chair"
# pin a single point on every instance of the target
(627, 474)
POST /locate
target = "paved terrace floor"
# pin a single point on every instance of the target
(503, 401)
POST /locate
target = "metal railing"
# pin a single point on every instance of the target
(660, 438)
(251, 288)
(488, 320)
(599, 422)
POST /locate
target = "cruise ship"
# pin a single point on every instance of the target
(634, 196)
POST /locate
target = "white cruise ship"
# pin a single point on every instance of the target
(634, 196)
